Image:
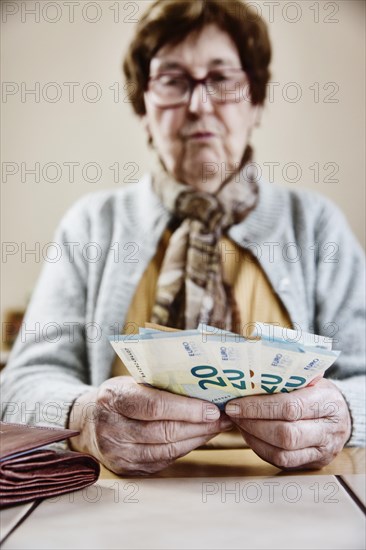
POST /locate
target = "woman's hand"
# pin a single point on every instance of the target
(134, 429)
(306, 428)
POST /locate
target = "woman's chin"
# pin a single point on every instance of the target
(203, 160)
(202, 178)
(202, 167)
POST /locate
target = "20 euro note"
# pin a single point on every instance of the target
(178, 362)
(132, 355)
(218, 366)
(234, 359)
(286, 366)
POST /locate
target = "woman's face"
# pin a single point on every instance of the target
(203, 142)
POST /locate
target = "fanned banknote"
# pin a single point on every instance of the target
(218, 365)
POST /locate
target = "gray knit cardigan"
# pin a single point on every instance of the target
(102, 247)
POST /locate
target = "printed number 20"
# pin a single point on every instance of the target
(206, 371)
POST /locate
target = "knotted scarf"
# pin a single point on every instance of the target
(190, 288)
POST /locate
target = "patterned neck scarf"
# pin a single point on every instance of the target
(190, 288)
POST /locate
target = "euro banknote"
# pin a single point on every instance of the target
(217, 366)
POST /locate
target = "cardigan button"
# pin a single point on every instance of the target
(284, 284)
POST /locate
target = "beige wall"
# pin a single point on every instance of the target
(325, 128)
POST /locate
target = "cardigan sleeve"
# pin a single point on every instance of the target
(48, 365)
(340, 307)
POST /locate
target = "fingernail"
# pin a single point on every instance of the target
(210, 413)
(232, 409)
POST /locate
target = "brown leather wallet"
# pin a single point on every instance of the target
(29, 471)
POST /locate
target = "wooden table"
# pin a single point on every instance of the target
(244, 462)
(210, 499)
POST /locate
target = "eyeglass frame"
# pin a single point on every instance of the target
(193, 83)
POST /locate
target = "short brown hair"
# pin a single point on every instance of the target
(171, 21)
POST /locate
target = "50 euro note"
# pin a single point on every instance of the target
(217, 365)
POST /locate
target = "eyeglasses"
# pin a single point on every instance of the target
(173, 88)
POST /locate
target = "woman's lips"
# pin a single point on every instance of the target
(201, 136)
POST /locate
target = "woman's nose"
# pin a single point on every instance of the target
(200, 101)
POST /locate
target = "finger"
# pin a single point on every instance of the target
(311, 457)
(146, 454)
(290, 435)
(142, 459)
(170, 431)
(143, 403)
(316, 380)
(318, 401)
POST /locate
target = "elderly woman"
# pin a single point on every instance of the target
(177, 249)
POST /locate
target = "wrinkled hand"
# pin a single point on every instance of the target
(306, 428)
(134, 429)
